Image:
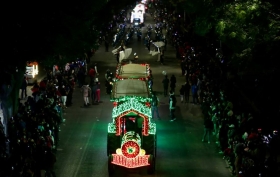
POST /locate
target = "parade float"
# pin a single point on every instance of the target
(137, 15)
(133, 71)
(131, 140)
(31, 72)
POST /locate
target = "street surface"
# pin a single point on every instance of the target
(180, 152)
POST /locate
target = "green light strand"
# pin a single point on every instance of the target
(127, 98)
(132, 103)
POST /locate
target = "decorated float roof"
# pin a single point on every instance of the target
(133, 71)
(132, 105)
(130, 87)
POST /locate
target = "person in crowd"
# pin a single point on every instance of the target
(186, 72)
(43, 85)
(182, 93)
(50, 159)
(172, 83)
(148, 44)
(194, 93)
(183, 70)
(81, 77)
(208, 125)
(57, 93)
(93, 87)
(23, 87)
(95, 68)
(86, 93)
(91, 74)
(187, 88)
(165, 83)
(151, 82)
(214, 119)
(155, 104)
(117, 55)
(71, 86)
(64, 94)
(108, 75)
(108, 82)
(172, 105)
(36, 91)
(97, 90)
(223, 138)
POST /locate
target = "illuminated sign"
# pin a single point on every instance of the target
(138, 161)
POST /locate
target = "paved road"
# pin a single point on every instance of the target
(82, 149)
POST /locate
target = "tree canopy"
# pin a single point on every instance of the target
(41, 31)
(250, 31)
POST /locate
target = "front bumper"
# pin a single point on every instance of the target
(139, 161)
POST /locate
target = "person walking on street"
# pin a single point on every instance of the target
(91, 74)
(172, 83)
(155, 103)
(95, 68)
(97, 90)
(86, 93)
(182, 93)
(93, 92)
(207, 129)
(165, 83)
(172, 105)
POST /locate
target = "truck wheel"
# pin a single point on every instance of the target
(113, 143)
(149, 144)
(155, 145)
(152, 166)
(111, 167)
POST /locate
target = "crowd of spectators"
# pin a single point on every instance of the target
(228, 122)
(33, 133)
(235, 131)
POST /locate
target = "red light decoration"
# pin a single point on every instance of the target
(118, 121)
(138, 161)
(148, 104)
(115, 104)
(130, 149)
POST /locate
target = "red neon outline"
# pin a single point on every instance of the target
(145, 130)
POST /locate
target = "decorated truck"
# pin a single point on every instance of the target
(131, 141)
(133, 71)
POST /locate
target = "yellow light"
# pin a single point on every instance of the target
(142, 152)
(119, 151)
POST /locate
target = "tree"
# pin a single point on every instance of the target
(249, 30)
